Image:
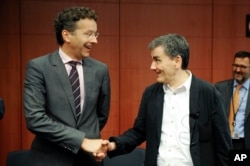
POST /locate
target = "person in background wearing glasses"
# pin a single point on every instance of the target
(64, 137)
(240, 127)
(181, 117)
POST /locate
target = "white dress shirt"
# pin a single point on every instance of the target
(174, 147)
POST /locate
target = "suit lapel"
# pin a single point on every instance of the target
(88, 77)
(228, 94)
(194, 107)
(88, 74)
(247, 106)
(63, 77)
(159, 98)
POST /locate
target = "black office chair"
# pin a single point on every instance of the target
(17, 158)
(134, 158)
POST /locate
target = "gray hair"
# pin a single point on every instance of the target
(173, 45)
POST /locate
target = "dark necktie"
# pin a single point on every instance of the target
(75, 83)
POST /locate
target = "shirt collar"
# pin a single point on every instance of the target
(245, 84)
(65, 58)
(185, 86)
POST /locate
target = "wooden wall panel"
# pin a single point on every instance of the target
(10, 125)
(228, 36)
(186, 2)
(231, 2)
(200, 56)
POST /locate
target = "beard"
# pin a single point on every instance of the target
(240, 77)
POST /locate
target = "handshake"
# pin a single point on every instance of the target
(98, 147)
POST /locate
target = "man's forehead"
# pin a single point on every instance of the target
(242, 59)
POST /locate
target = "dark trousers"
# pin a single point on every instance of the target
(238, 144)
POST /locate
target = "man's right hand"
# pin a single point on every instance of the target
(98, 147)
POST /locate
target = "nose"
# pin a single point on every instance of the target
(238, 69)
(153, 66)
(94, 40)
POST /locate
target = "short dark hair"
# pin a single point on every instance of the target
(242, 54)
(173, 45)
(67, 18)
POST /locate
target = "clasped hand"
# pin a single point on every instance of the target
(98, 147)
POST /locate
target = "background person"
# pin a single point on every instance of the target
(240, 124)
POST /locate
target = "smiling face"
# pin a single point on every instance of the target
(241, 69)
(79, 43)
(164, 66)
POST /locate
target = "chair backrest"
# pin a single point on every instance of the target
(17, 158)
(134, 158)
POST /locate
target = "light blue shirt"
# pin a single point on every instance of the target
(240, 116)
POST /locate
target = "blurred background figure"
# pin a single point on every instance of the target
(235, 92)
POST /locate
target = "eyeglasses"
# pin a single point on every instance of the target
(91, 34)
(242, 67)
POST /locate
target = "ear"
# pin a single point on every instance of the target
(178, 61)
(66, 35)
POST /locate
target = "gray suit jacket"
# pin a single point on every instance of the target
(209, 131)
(2, 108)
(50, 112)
(226, 89)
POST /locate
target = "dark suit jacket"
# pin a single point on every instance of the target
(50, 111)
(226, 89)
(2, 108)
(209, 130)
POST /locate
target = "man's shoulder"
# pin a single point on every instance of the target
(200, 83)
(91, 60)
(154, 88)
(45, 56)
(224, 82)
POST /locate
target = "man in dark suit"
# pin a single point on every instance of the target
(181, 117)
(64, 137)
(2, 108)
(241, 126)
